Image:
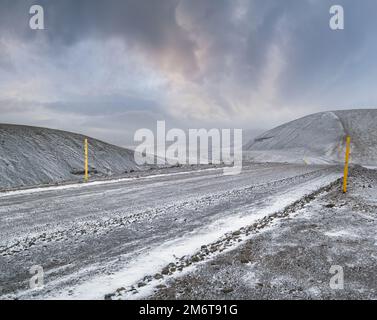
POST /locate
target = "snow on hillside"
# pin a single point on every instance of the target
(32, 156)
(319, 138)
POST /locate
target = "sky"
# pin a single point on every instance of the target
(108, 68)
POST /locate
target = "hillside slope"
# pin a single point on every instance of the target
(319, 138)
(33, 156)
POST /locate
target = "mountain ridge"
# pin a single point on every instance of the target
(319, 138)
(35, 155)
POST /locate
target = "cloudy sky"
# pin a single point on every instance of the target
(108, 68)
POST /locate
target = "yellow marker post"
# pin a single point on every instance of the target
(86, 160)
(348, 146)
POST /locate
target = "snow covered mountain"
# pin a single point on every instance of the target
(32, 156)
(319, 138)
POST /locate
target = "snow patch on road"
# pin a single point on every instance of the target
(96, 183)
(341, 234)
(154, 259)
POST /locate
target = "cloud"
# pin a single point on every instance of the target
(104, 66)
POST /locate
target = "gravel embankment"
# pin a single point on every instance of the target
(291, 256)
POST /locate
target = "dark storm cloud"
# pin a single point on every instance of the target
(247, 63)
(149, 26)
(313, 53)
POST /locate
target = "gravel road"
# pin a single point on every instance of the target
(86, 236)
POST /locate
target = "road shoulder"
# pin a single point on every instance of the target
(293, 258)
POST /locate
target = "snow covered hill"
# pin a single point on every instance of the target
(32, 156)
(319, 138)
